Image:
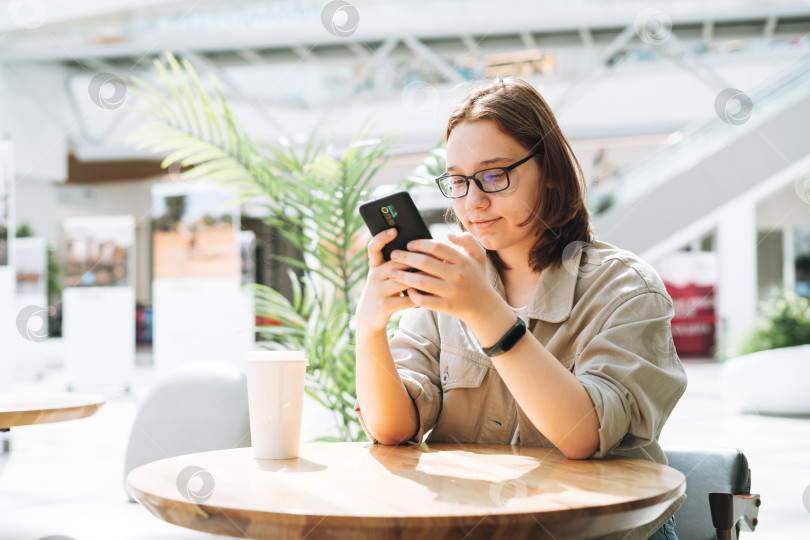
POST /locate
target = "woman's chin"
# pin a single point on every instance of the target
(489, 243)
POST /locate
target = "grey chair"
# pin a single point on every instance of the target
(200, 407)
(718, 502)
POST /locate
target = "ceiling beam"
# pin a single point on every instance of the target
(200, 61)
(707, 32)
(527, 39)
(605, 64)
(770, 27)
(376, 64)
(471, 44)
(304, 53)
(252, 57)
(689, 61)
(430, 56)
(586, 37)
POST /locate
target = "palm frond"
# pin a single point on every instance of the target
(312, 199)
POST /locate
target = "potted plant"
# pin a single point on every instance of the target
(784, 322)
(772, 375)
(310, 197)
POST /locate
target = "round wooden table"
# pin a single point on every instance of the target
(442, 491)
(18, 409)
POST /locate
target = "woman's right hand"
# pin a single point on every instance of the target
(381, 296)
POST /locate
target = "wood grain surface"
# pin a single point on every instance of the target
(436, 491)
(18, 409)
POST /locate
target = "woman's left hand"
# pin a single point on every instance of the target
(447, 280)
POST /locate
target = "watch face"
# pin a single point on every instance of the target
(514, 335)
(508, 340)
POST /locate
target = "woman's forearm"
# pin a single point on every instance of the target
(388, 410)
(550, 395)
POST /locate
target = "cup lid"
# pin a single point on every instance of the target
(288, 357)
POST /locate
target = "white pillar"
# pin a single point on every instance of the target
(7, 273)
(788, 258)
(737, 276)
(7, 327)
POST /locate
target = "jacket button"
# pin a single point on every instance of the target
(445, 377)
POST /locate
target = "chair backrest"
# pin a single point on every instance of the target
(706, 470)
(200, 407)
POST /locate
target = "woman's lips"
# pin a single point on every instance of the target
(484, 223)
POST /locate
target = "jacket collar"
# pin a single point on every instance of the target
(553, 297)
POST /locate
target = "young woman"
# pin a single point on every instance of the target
(527, 331)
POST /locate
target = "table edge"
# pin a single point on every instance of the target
(167, 508)
(201, 509)
(53, 414)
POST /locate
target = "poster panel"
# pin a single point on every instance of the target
(99, 251)
(98, 302)
(31, 266)
(98, 332)
(194, 234)
(200, 312)
(32, 310)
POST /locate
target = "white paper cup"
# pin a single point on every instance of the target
(275, 399)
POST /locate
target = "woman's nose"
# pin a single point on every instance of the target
(475, 197)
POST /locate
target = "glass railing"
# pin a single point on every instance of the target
(697, 141)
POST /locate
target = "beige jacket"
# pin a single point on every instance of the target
(605, 316)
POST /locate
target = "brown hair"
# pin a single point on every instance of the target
(559, 216)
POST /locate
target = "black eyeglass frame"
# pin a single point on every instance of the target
(478, 182)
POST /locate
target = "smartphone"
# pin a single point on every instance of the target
(395, 211)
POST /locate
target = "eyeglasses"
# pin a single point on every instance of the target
(492, 180)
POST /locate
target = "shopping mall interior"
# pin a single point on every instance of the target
(152, 153)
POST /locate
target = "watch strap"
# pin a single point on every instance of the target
(509, 339)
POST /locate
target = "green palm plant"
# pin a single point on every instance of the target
(310, 197)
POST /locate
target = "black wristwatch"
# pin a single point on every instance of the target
(509, 339)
